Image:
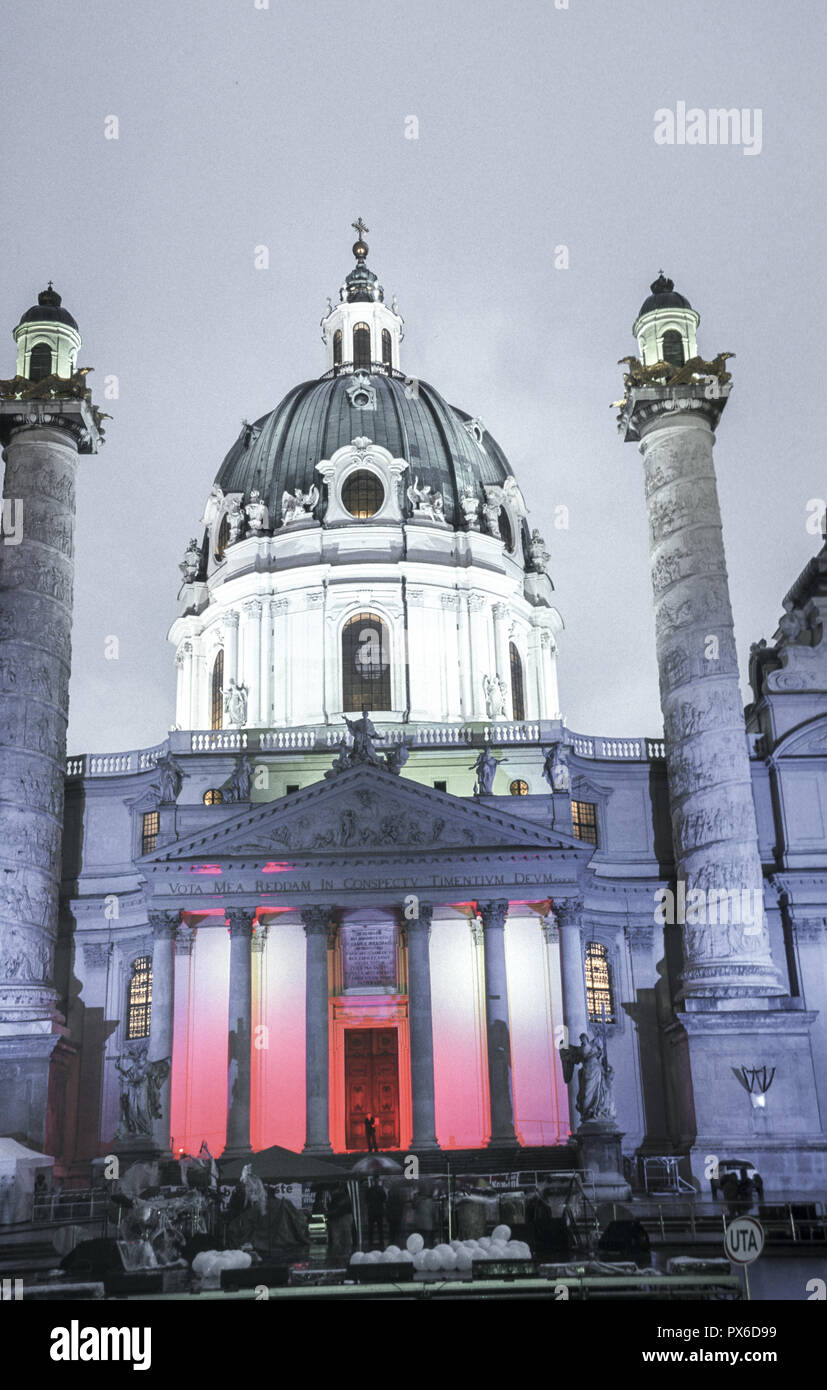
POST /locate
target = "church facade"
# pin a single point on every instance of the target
(370, 869)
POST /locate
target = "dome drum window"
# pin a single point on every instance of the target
(366, 664)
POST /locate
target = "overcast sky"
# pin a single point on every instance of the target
(241, 126)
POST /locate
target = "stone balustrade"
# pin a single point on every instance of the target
(322, 739)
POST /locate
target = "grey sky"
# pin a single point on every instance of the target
(241, 126)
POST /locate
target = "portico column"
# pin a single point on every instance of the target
(421, 1028)
(281, 669)
(317, 1045)
(567, 911)
(240, 1030)
(497, 1022)
(478, 662)
(575, 1014)
(164, 926)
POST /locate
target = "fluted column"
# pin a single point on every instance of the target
(281, 668)
(230, 623)
(186, 717)
(251, 660)
(465, 659)
(317, 1030)
(550, 706)
(164, 927)
(265, 674)
(497, 1024)
(710, 789)
(500, 613)
(480, 654)
(239, 1063)
(421, 1027)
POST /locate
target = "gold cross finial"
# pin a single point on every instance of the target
(359, 228)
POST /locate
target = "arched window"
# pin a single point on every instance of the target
(387, 350)
(506, 533)
(361, 346)
(213, 797)
(222, 540)
(363, 494)
(139, 999)
(366, 664)
(517, 691)
(40, 362)
(150, 825)
(599, 989)
(337, 348)
(672, 349)
(217, 693)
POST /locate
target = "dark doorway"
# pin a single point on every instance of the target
(372, 1086)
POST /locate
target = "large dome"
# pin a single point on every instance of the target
(444, 448)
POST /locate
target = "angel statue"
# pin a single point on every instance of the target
(235, 518)
(594, 1086)
(140, 1091)
(257, 514)
(364, 737)
(298, 505)
(426, 501)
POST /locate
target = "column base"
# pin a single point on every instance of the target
(424, 1146)
(508, 1141)
(318, 1149)
(243, 1153)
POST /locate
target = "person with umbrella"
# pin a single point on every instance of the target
(376, 1200)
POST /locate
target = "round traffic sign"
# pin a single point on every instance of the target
(744, 1240)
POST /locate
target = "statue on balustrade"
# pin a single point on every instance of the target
(170, 778)
(237, 785)
(235, 704)
(555, 768)
(486, 770)
(496, 692)
(594, 1084)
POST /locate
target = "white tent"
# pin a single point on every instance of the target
(18, 1168)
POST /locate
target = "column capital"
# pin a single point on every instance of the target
(317, 920)
(500, 611)
(493, 913)
(421, 922)
(241, 920)
(253, 607)
(550, 930)
(260, 935)
(567, 911)
(164, 923)
(184, 939)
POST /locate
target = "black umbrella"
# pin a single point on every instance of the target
(283, 1165)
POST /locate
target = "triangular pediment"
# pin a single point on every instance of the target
(363, 809)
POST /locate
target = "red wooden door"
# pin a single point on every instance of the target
(371, 1086)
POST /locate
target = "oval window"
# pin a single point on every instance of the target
(363, 494)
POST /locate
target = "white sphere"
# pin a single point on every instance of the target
(463, 1259)
(419, 1259)
(501, 1233)
(389, 1258)
(393, 1250)
(449, 1258)
(405, 1257)
(484, 1242)
(358, 1257)
(432, 1260)
(415, 1243)
(455, 1244)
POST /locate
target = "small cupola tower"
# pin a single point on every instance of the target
(360, 332)
(48, 339)
(666, 326)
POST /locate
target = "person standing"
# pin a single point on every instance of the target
(376, 1201)
(370, 1132)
